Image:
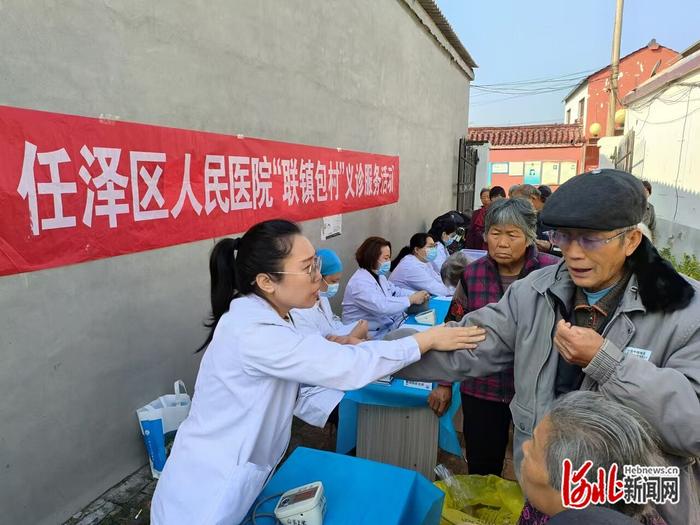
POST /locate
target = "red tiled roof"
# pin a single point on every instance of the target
(541, 135)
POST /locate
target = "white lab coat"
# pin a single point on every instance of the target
(241, 416)
(315, 402)
(320, 319)
(382, 304)
(442, 256)
(414, 274)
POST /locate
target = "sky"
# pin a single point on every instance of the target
(523, 40)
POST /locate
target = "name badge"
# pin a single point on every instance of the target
(638, 352)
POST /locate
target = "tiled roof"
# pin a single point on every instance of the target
(541, 135)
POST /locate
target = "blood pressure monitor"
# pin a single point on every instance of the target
(427, 318)
(305, 505)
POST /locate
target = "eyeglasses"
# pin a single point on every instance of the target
(313, 271)
(564, 240)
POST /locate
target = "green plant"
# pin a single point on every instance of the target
(689, 265)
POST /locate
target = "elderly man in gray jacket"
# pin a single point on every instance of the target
(613, 316)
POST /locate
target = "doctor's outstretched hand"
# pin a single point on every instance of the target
(446, 338)
(361, 330)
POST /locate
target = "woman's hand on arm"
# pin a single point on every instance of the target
(447, 338)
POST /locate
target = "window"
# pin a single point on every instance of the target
(568, 116)
(581, 108)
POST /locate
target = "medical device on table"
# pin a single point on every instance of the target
(305, 505)
(427, 318)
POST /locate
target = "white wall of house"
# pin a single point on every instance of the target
(572, 104)
(666, 153)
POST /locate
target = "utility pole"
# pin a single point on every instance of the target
(615, 67)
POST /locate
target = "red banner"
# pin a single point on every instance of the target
(74, 189)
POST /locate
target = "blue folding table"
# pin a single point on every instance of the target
(358, 491)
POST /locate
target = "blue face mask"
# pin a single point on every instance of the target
(431, 255)
(332, 290)
(450, 240)
(384, 268)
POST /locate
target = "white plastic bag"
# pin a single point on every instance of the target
(159, 420)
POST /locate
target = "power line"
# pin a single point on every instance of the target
(530, 87)
(562, 82)
(520, 95)
(555, 120)
(526, 90)
(583, 73)
(517, 91)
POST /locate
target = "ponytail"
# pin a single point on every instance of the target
(234, 265)
(406, 250)
(418, 241)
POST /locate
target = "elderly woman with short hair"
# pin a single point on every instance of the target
(585, 426)
(453, 268)
(510, 232)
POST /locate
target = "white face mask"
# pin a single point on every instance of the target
(332, 290)
(384, 268)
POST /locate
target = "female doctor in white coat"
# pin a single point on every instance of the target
(246, 391)
(412, 269)
(320, 318)
(444, 234)
(369, 295)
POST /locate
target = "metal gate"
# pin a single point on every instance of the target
(466, 175)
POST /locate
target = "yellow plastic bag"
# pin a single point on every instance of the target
(484, 500)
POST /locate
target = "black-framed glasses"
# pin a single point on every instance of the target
(563, 240)
(313, 271)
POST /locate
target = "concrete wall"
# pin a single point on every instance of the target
(85, 345)
(667, 132)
